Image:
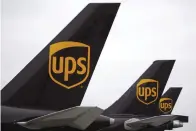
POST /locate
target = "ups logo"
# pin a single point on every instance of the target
(147, 91)
(69, 63)
(165, 105)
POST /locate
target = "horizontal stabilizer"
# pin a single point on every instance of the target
(184, 119)
(77, 117)
(137, 124)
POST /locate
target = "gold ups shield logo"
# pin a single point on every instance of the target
(165, 105)
(147, 91)
(69, 63)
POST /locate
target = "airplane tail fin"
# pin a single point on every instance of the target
(143, 96)
(58, 76)
(168, 100)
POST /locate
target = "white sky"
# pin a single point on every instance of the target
(143, 31)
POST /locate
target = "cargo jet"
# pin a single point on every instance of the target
(47, 93)
(168, 100)
(166, 106)
(141, 109)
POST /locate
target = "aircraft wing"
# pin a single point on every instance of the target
(137, 124)
(77, 117)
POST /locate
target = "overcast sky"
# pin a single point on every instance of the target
(143, 31)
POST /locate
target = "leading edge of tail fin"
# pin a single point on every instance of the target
(143, 96)
(58, 76)
(168, 100)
